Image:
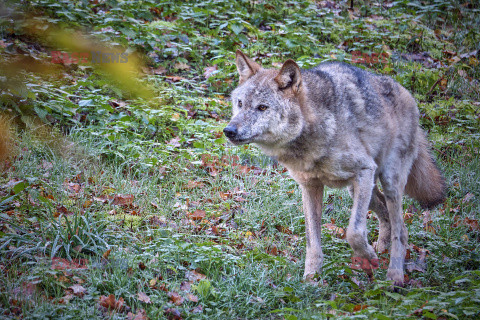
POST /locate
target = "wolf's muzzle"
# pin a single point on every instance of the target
(231, 132)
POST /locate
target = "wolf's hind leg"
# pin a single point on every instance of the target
(393, 182)
(357, 226)
(378, 204)
(312, 197)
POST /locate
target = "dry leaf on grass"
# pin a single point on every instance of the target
(196, 215)
(143, 297)
(175, 298)
(140, 315)
(111, 303)
(77, 290)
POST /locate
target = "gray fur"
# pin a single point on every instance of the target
(338, 125)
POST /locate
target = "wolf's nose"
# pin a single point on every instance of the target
(230, 131)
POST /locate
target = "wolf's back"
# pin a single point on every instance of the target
(425, 182)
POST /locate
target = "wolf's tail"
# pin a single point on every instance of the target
(425, 182)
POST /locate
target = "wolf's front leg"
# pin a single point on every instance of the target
(312, 196)
(357, 227)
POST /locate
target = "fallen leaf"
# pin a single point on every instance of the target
(181, 66)
(106, 254)
(193, 275)
(197, 309)
(64, 264)
(359, 307)
(194, 184)
(208, 71)
(173, 314)
(192, 298)
(111, 303)
(152, 282)
(185, 286)
(196, 215)
(334, 230)
(273, 251)
(74, 187)
(77, 290)
(408, 217)
(283, 229)
(174, 78)
(26, 290)
(141, 315)
(175, 297)
(123, 200)
(144, 298)
(159, 70)
(469, 196)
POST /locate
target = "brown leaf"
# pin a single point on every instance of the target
(359, 307)
(181, 66)
(469, 196)
(408, 217)
(64, 264)
(192, 298)
(472, 224)
(77, 290)
(193, 275)
(141, 315)
(111, 303)
(334, 230)
(283, 229)
(185, 286)
(175, 298)
(144, 298)
(62, 210)
(173, 314)
(106, 254)
(74, 187)
(225, 195)
(208, 71)
(174, 78)
(194, 184)
(197, 309)
(123, 200)
(197, 215)
(26, 290)
(159, 70)
(273, 251)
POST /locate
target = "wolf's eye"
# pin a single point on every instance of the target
(262, 107)
(240, 103)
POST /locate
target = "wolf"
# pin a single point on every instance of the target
(337, 125)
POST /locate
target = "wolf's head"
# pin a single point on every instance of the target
(266, 104)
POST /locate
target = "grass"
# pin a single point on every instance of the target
(109, 191)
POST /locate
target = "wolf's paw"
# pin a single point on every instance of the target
(396, 276)
(311, 278)
(313, 265)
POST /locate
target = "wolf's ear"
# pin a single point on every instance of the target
(289, 76)
(246, 67)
